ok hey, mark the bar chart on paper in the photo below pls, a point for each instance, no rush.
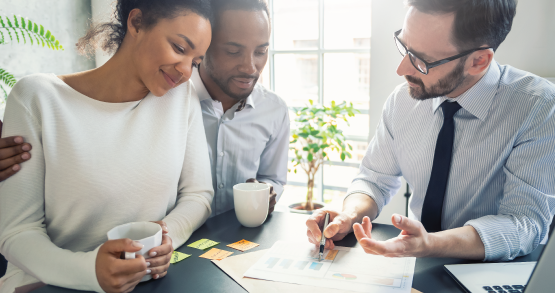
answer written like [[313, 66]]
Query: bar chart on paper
[[341, 268]]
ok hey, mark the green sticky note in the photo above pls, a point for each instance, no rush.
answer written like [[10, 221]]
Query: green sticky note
[[203, 244], [178, 256]]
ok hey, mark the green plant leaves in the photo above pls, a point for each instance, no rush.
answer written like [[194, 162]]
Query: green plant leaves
[[20, 28], [8, 79], [316, 134]]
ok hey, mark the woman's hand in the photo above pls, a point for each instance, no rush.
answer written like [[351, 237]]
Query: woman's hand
[[119, 275], [160, 256]]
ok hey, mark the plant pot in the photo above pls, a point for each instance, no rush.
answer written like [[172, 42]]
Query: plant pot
[[297, 208]]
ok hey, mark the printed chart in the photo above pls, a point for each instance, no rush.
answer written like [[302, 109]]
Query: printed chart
[[342, 268]]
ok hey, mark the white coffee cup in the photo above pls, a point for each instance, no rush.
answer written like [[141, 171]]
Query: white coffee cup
[[251, 202], [147, 233]]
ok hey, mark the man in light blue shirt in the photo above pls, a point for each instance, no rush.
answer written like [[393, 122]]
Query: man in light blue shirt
[[475, 141], [246, 125]]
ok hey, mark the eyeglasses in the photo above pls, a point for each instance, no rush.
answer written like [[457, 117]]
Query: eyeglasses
[[423, 66]]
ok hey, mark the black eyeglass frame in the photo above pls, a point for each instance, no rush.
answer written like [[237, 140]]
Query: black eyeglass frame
[[435, 63]]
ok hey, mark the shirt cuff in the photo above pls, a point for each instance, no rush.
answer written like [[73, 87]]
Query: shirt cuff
[[499, 236], [365, 187]]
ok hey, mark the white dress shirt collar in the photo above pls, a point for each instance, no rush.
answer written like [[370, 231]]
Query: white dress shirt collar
[[478, 99]]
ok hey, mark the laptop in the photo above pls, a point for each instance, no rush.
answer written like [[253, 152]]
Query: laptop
[[508, 277]]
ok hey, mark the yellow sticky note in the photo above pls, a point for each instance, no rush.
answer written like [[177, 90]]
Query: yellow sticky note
[[178, 256], [331, 254], [203, 244], [243, 245], [216, 254]]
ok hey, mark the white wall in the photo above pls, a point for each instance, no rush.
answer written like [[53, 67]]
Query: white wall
[[529, 46], [66, 19], [101, 12]]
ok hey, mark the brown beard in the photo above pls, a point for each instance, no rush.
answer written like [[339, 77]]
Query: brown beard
[[443, 87]]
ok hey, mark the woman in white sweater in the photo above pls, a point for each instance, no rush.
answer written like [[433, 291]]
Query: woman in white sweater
[[117, 144]]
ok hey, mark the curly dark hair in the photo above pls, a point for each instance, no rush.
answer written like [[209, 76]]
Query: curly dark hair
[[108, 36], [477, 22]]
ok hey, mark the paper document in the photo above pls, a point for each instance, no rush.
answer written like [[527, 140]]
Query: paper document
[[342, 268]]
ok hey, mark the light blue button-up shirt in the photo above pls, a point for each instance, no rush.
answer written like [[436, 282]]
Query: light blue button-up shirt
[[251, 143], [502, 178]]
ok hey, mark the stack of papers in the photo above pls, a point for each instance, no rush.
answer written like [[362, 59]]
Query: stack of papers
[[342, 268]]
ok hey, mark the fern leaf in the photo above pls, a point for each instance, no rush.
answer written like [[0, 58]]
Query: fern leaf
[[1, 37], [30, 38], [9, 34], [16, 35], [5, 93], [22, 26], [7, 78]]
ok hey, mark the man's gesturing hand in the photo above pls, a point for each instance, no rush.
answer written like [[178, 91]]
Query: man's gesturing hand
[[273, 195], [119, 275], [340, 225], [412, 241], [12, 153]]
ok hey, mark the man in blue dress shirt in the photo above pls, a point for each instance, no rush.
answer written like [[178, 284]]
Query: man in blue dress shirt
[[475, 140], [246, 125]]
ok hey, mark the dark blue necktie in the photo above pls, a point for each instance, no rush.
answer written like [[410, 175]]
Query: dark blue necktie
[[433, 202]]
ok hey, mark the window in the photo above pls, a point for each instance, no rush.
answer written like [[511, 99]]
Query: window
[[320, 51]]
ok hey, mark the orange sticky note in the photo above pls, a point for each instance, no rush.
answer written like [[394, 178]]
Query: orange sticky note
[[243, 245], [216, 254], [331, 254]]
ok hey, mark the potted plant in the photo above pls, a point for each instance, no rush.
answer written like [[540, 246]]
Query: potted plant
[[314, 137], [18, 29]]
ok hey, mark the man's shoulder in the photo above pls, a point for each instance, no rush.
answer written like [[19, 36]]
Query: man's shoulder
[[270, 97], [523, 82]]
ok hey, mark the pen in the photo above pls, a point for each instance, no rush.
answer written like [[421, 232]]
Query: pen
[[323, 240]]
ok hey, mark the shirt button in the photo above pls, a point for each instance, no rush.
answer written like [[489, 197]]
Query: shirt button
[[221, 185], [221, 154]]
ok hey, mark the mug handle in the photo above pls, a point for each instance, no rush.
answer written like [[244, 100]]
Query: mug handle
[[130, 255]]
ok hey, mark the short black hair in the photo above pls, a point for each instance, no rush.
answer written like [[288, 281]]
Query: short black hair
[[220, 6], [477, 22]]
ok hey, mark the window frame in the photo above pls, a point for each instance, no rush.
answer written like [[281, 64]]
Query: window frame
[[320, 51]]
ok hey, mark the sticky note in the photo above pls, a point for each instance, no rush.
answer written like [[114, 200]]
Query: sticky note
[[331, 254], [178, 256], [216, 254], [243, 245], [203, 244]]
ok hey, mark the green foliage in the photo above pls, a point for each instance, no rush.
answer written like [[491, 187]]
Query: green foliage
[[19, 30], [8, 79], [316, 135]]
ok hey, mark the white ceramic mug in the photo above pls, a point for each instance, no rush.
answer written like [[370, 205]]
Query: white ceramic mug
[[251, 202], [147, 233]]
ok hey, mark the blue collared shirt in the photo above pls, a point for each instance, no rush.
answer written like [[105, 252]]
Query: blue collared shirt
[[251, 143], [502, 178]]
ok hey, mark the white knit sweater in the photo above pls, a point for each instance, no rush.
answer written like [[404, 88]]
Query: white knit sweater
[[96, 165]]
